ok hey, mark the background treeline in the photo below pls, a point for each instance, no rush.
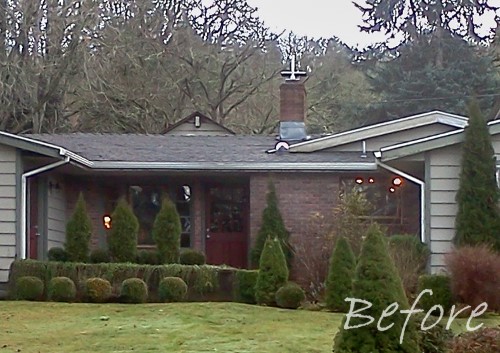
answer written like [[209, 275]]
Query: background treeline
[[138, 66]]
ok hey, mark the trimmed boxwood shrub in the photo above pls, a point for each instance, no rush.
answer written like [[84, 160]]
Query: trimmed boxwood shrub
[[166, 232], [340, 275], [290, 296], [134, 290], [122, 239], [192, 257], [172, 289], [440, 286], [244, 286], [57, 254], [147, 257], [98, 256], [61, 289], [29, 288], [97, 290], [273, 272], [78, 233]]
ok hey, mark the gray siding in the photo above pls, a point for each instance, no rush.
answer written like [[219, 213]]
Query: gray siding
[[8, 204], [444, 172], [56, 213], [206, 128], [375, 143]]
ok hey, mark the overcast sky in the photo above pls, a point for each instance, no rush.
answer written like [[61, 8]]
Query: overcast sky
[[315, 18]]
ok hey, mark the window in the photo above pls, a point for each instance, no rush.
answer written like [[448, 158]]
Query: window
[[146, 203]]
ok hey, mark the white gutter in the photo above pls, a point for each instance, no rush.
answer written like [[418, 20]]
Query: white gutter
[[421, 183], [24, 178]]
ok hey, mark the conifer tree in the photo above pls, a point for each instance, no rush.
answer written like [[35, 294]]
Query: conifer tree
[[273, 272], [166, 232], [376, 281], [478, 219], [272, 226], [122, 240], [340, 275], [78, 233]]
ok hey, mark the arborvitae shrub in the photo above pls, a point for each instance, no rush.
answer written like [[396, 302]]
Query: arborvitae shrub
[[290, 296], [134, 290], [147, 257], [97, 290], [57, 254], [166, 232], [273, 272], [475, 275], [98, 256], [483, 340], [61, 289], [192, 257], [78, 233], [340, 275], [29, 288], [244, 286], [478, 217], [376, 281], [122, 239], [272, 226], [172, 289], [441, 292]]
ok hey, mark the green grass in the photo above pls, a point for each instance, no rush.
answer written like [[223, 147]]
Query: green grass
[[179, 327]]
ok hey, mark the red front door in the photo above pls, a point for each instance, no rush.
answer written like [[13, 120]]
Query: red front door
[[226, 226], [33, 219]]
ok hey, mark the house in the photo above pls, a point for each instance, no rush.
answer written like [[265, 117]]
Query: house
[[218, 180]]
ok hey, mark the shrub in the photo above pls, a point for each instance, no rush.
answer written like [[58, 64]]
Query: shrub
[[29, 288], [97, 290], [167, 232], [410, 257], [290, 296], [172, 289], [61, 289], [122, 240], [192, 257], [57, 254], [244, 286], [147, 257], [339, 281], [440, 286], [475, 275], [272, 226], [78, 233], [273, 272], [98, 256], [134, 290], [484, 340], [376, 280], [435, 339]]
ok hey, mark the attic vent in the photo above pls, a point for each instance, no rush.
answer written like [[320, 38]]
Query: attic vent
[[292, 131], [197, 122]]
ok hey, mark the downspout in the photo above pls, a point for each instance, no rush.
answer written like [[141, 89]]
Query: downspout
[[421, 183], [24, 196]]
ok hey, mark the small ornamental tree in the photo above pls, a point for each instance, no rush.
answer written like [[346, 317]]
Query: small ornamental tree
[[340, 275], [122, 240], [376, 281], [167, 232], [273, 272], [478, 219], [78, 233], [272, 226]]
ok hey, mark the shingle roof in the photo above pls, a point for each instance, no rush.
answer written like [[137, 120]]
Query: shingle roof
[[250, 149]]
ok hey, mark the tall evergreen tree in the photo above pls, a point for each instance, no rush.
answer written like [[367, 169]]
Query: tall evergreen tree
[[340, 275], [272, 226], [478, 219], [78, 232], [376, 280], [167, 232], [122, 239]]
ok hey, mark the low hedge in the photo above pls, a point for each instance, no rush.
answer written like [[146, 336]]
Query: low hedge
[[205, 283], [244, 286]]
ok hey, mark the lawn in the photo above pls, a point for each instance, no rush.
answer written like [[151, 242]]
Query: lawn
[[29, 327]]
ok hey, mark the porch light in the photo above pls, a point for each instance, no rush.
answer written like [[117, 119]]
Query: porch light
[[106, 220], [397, 181], [392, 189], [371, 180], [358, 180]]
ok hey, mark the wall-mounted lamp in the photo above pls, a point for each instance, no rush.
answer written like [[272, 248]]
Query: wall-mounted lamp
[[371, 180], [397, 181], [392, 189], [106, 221], [358, 180]]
